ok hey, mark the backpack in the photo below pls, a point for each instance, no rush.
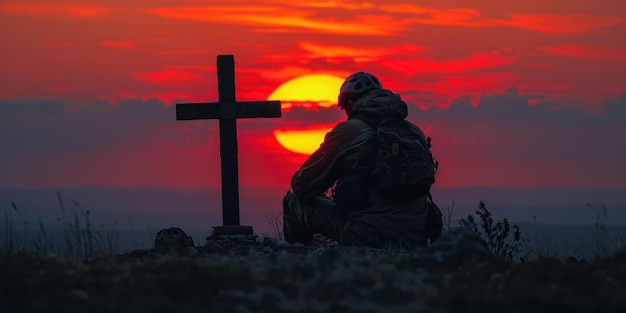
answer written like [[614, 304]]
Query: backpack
[[404, 167]]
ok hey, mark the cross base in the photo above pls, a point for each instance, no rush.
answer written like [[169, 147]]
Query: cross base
[[225, 238], [228, 230]]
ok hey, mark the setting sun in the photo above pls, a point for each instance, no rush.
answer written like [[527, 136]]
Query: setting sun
[[309, 91], [304, 141]]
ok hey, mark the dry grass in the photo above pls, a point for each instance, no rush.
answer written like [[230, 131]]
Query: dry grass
[[76, 241]]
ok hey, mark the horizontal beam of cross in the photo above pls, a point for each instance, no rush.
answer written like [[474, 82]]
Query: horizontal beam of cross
[[199, 111]]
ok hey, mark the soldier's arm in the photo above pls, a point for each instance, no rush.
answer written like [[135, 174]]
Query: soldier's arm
[[323, 167]]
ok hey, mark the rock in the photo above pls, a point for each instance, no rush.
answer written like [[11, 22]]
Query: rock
[[80, 294], [172, 240], [192, 251], [270, 242]]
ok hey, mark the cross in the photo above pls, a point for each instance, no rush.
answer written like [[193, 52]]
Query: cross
[[228, 110]]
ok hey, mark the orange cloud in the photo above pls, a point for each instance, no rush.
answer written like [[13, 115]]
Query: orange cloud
[[359, 53], [57, 10], [280, 74], [435, 16], [587, 52], [200, 68], [183, 52], [474, 62], [459, 77], [168, 78], [329, 4], [168, 97], [566, 24], [281, 19], [442, 92], [333, 54], [562, 24], [124, 44]]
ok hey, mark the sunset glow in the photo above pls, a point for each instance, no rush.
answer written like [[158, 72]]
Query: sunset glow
[[504, 88]]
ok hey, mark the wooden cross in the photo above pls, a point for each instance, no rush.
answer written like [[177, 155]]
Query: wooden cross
[[228, 110]]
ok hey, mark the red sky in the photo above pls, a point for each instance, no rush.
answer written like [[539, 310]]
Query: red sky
[[513, 93]]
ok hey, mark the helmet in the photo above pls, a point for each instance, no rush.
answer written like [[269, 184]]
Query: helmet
[[356, 85]]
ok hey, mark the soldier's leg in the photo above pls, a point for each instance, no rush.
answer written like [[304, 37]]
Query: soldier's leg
[[294, 224], [321, 216], [327, 219]]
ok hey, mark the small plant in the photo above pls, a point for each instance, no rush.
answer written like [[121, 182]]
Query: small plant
[[447, 218], [543, 249], [603, 243], [9, 235], [13, 240], [495, 234], [276, 223]]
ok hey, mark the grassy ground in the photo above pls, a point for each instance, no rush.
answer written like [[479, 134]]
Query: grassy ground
[[330, 279], [79, 271]]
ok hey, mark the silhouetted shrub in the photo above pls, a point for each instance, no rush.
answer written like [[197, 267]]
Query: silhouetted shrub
[[495, 234]]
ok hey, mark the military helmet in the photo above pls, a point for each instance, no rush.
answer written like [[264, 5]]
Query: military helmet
[[356, 85]]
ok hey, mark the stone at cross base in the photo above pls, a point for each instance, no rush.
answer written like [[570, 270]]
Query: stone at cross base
[[224, 237], [173, 240], [228, 110]]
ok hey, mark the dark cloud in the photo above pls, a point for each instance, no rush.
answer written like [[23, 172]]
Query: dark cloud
[[16, 108], [615, 110], [46, 126], [134, 111], [506, 126], [38, 127], [509, 106], [502, 128]]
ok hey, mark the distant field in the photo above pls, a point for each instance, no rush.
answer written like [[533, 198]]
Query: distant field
[[558, 241], [565, 224], [572, 240]]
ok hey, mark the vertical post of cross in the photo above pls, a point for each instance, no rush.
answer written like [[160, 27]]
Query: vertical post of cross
[[228, 139]]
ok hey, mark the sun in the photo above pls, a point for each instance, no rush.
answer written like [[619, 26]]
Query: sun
[[308, 91], [303, 141]]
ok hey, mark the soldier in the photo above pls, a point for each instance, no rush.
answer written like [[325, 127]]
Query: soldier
[[378, 168]]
